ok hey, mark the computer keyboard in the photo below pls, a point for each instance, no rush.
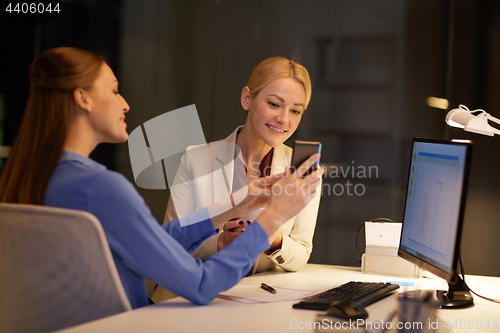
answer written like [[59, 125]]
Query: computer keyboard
[[363, 293]]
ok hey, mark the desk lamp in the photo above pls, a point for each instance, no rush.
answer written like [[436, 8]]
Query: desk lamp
[[462, 117]]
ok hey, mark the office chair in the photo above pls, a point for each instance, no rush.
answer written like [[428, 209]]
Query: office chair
[[56, 269]]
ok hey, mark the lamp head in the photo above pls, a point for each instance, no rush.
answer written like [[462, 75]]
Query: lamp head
[[462, 117]]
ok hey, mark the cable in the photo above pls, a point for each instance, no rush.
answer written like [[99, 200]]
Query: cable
[[462, 272], [357, 239], [378, 219]]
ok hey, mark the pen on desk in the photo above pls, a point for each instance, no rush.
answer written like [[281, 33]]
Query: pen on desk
[[268, 288]]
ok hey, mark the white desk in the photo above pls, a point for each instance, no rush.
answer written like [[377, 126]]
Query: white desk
[[178, 315]]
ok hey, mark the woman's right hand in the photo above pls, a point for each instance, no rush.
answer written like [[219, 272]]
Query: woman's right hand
[[290, 194]]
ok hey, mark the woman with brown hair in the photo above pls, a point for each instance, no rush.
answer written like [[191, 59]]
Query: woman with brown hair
[[275, 98], [74, 105], [46, 121]]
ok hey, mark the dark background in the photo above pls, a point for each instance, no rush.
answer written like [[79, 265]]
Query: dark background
[[373, 64]]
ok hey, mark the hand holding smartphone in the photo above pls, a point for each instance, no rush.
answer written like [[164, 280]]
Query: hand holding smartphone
[[302, 150]]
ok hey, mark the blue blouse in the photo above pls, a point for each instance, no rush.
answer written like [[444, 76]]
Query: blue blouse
[[140, 246]]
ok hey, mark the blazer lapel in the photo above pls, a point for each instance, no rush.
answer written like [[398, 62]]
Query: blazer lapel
[[280, 161], [222, 154]]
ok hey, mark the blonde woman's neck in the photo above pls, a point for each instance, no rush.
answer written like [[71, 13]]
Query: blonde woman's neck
[[253, 148]]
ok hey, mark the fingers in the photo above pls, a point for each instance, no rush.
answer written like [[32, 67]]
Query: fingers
[[231, 230], [260, 187], [273, 178], [303, 188], [311, 181], [315, 175], [312, 188], [232, 224], [304, 167], [236, 226], [268, 181], [230, 235]]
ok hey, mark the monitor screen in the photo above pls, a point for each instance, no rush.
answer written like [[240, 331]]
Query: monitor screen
[[435, 202]]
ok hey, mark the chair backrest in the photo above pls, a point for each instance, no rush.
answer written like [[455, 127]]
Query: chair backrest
[[56, 269]]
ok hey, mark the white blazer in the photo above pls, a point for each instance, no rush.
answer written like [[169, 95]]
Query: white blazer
[[200, 182]]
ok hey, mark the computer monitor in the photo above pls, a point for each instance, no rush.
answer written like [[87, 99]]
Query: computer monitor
[[434, 211]]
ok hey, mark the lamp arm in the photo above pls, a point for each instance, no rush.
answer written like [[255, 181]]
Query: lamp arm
[[493, 119]]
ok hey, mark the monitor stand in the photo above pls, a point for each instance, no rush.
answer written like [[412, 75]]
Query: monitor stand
[[458, 295]]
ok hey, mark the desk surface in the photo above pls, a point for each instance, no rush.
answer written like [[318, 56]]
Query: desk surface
[[179, 315]]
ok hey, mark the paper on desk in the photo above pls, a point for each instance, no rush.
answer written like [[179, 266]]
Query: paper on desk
[[382, 234], [251, 294]]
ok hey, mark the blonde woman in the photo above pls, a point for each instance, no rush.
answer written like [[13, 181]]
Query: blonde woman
[[275, 98]]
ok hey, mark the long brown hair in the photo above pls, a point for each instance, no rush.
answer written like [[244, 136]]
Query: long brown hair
[[54, 76], [275, 68]]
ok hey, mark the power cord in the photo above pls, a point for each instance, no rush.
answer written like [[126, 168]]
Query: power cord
[[378, 219], [462, 272]]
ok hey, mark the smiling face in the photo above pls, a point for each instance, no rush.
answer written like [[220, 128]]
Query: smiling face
[[275, 113], [107, 108]]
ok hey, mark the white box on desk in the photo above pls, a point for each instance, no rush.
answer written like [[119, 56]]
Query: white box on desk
[[381, 253], [389, 265]]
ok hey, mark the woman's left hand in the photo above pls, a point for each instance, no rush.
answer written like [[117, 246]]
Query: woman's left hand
[[230, 231]]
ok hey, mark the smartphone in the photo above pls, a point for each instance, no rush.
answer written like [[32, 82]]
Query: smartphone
[[302, 150]]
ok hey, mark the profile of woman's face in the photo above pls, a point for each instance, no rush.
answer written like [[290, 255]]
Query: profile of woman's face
[[275, 113], [107, 108]]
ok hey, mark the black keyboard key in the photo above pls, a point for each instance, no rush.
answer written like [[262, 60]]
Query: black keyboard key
[[363, 293]]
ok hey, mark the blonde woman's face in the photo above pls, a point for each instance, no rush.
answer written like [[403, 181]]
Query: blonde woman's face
[[275, 113], [108, 108]]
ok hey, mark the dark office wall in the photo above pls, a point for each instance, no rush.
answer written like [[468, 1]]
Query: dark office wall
[[475, 82], [92, 25]]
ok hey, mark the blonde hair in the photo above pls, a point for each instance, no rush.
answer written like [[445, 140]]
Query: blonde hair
[[276, 68], [54, 76]]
